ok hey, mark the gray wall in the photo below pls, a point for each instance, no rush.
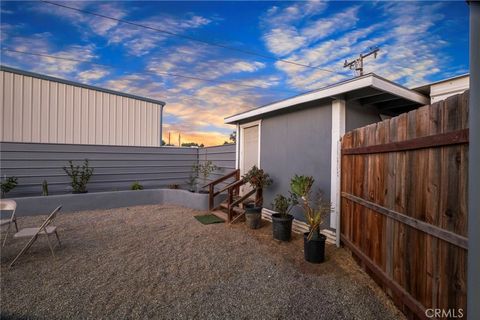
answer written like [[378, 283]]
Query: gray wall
[[116, 167], [357, 115], [223, 157], [297, 143]]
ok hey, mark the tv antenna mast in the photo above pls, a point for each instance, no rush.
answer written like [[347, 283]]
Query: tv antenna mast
[[357, 64]]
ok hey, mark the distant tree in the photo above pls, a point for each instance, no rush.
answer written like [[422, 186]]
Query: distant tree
[[192, 144], [166, 144], [233, 137]]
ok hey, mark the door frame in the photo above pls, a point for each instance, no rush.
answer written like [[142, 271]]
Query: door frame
[[242, 127]]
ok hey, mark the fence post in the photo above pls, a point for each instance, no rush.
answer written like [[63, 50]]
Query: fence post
[[473, 172]]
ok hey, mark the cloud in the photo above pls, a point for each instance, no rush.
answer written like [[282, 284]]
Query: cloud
[[406, 35], [92, 74]]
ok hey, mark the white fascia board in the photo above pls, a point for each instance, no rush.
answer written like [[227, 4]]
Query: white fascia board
[[399, 91], [312, 96]]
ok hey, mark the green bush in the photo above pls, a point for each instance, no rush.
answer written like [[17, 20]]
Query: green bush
[[136, 186], [8, 184], [79, 175]]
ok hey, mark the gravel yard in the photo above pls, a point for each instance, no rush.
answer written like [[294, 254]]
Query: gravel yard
[[159, 262]]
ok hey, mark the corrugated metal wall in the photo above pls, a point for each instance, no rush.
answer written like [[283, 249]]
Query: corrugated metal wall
[[116, 167], [39, 110], [221, 156]]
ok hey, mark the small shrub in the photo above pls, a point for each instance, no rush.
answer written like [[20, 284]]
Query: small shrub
[[257, 178], [8, 184], [204, 170], [79, 175], [173, 186], [45, 188], [284, 205], [136, 186]]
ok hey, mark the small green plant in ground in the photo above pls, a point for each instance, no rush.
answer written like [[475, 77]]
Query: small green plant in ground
[[173, 186], [314, 208], [45, 188], [136, 186], [284, 205], [204, 170], [8, 184], [79, 175]]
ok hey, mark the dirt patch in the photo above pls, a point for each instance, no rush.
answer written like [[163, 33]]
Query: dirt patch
[[159, 262]]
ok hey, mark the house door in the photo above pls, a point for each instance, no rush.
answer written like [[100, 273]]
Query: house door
[[250, 150]]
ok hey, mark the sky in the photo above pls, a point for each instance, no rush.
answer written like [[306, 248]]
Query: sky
[[201, 83]]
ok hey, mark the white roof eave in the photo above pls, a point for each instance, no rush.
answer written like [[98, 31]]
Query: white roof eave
[[332, 91]]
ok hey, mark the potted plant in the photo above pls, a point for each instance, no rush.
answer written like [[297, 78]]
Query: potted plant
[[282, 220], [258, 180], [315, 209], [204, 170], [79, 176], [8, 184]]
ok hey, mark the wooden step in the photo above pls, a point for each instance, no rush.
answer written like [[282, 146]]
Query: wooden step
[[237, 210], [220, 214]]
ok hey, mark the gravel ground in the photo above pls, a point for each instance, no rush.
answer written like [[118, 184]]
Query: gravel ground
[[159, 262]]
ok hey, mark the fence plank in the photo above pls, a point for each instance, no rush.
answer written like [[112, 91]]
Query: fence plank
[[404, 196]]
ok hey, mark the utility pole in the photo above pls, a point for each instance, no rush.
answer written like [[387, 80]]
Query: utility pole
[[357, 64], [169, 138], [179, 140]]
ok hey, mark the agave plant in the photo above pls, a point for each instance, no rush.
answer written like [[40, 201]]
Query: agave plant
[[314, 209]]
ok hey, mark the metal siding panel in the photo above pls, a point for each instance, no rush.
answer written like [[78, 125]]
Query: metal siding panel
[[45, 110], [136, 126], [53, 112], [118, 121], [8, 108], [77, 115], [69, 114], [92, 130], [156, 127], [131, 122], [98, 120], [27, 110], [125, 116], [36, 110], [143, 123], [84, 120], [61, 135], [107, 116], [17, 108], [149, 123]]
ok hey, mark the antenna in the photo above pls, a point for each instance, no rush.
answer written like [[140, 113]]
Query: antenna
[[357, 64]]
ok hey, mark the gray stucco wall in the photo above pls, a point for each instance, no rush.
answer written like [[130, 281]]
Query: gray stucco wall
[[357, 115], [297, 143], [116, 167]]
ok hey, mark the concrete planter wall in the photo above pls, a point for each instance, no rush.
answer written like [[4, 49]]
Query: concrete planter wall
[[28, 206]]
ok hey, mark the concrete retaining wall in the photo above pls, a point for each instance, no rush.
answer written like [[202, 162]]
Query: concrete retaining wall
[[28, 206]]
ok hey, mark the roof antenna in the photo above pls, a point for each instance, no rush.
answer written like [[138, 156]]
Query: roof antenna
[[357, 64]]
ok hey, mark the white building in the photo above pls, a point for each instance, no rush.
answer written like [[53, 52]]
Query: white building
[[39, 108], [442, 89]]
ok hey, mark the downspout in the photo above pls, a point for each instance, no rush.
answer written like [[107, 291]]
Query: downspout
[[161, 124], [473, 281]]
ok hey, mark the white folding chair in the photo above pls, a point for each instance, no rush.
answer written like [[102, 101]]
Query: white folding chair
[[33, 233], [8, 205]]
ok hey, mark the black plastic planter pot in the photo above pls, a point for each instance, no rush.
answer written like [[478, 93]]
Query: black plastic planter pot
[[253, 216], [314, 249], [282, 227]]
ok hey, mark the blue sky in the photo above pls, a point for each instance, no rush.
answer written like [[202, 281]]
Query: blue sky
[[419, 42]]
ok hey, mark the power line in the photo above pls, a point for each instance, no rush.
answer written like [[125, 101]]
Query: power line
[[170, 33], [156, 73]]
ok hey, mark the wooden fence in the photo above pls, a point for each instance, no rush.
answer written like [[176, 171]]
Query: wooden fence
[[404, 205]]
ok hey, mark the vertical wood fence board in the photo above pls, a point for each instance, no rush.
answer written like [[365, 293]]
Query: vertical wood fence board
[[428, 184]]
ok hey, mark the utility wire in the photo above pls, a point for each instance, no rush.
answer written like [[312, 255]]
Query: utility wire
[[188, 37], [157, 73]]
